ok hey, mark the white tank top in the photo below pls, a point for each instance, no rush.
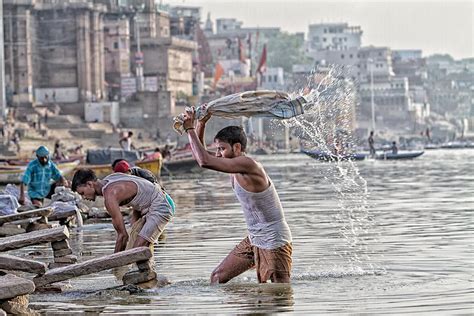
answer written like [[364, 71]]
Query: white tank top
[[149, 195], [264, 216]]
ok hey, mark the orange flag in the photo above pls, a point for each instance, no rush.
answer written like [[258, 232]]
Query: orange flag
[[218, 74], [262, 65]]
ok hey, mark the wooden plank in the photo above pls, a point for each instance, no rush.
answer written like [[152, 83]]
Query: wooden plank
[[13, 263], [94, 265], [61, 215], [34, 238], [28, 214], [12, 286]]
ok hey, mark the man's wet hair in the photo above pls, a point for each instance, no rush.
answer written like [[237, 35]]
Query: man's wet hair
[[81, 177], [116, 161], [233, 135]]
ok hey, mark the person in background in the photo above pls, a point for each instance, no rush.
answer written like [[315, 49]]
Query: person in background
[[41, 177], [128, 141], [394, 148], [121, 165], [166, 153], [154, 156], [16, 141], [78, 149], [58, 153], [371, 144]]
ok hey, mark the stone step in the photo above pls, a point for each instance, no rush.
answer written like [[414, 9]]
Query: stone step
[[94, 265], [34, 238], [13, 263], [65, 125], [12, 286], [41, 212], [87, 133]]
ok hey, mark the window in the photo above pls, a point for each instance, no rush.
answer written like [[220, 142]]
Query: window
[[350, 56], [324, 39], [275, 78], [342, 56], [115, 45]]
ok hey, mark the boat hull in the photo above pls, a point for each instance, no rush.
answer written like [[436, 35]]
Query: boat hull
[[102, 171], [13, 174], [323, 156]]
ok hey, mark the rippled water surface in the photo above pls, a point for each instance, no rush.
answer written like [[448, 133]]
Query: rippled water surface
[[400, 244]]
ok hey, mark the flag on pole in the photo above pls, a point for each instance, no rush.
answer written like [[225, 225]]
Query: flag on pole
[[262, 65], [218, 74]]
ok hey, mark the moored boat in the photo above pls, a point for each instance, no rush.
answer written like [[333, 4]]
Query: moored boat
[[13, 174], [324, 156], [103, 170]]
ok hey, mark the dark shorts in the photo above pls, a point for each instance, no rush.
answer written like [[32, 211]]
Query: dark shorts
[[269, 263], [50, 193]]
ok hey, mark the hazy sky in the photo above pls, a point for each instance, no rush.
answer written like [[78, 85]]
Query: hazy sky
[[444, 26]]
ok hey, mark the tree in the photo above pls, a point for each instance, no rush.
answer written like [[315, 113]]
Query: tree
[[284, 50]]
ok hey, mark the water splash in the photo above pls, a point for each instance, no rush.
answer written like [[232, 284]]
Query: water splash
[[327, 126]]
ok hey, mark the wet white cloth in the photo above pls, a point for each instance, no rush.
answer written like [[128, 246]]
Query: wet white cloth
[[64, 200], [13, 190], [8, 204], [263, 103], [65, 195]]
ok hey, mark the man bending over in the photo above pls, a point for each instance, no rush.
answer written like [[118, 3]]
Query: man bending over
[[118, 189]]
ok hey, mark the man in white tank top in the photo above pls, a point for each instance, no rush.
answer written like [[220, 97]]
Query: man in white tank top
[[118, 189], [268, 245]]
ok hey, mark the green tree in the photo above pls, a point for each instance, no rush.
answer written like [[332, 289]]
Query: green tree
[[284, 50]]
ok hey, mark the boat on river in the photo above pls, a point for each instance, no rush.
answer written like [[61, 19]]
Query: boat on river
[[13, 173], [324, 156], [103, 170]]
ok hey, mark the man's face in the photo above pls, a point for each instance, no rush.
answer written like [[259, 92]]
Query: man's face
[[43, 160], [224, 149], [87, 191]]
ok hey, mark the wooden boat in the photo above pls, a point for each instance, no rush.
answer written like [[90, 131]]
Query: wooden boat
[[104, 170], [400, 155], [176, 166], [324, 156], [13, 174]]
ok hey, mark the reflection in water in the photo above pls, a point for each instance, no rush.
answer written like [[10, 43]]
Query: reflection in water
[[262, 298]]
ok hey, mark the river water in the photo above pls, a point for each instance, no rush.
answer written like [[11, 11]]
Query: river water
[[379, 237]]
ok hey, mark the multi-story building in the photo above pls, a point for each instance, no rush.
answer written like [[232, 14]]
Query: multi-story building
[[376, 62], [117, 52], [391, 102], [54, 51], [333, 36], [273, 79]]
